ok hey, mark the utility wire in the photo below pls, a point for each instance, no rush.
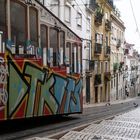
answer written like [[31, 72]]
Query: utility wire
[[134, 18]]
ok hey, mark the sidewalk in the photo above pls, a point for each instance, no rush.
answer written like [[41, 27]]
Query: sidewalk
[[107, 103]]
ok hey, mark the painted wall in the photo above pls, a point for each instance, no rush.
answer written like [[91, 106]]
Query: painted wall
[[27, 89]]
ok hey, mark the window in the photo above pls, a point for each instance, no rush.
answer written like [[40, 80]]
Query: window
[[74, 57], [68, 53], [55, 7], [18, 24], [106, 15], [79, 19], [79, 59], [44, 43], [34, 26], [53, 36], [102, 67], [99, 38], [88, 24], [62, 47], [3, 19], [67, 14], [106, 67]]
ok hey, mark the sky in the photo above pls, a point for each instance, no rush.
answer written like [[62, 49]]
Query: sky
[[131, 33]]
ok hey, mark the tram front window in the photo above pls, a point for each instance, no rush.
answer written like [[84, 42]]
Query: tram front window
[[18, 24]]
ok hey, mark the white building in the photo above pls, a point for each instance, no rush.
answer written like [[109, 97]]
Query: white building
[[76, 14], [132, 74]]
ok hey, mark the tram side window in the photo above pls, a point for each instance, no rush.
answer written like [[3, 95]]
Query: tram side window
[[79, 59], [34, 26], [2, 24], [62, 47], [74, 58], [53, 50], [68, 54], [44, 43], [18, 24]]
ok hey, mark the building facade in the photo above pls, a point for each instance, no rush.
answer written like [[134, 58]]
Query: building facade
[[132, 73], [117, 57], [101, 22]]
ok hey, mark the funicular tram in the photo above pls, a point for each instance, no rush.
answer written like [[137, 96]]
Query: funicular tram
[[40, 62]]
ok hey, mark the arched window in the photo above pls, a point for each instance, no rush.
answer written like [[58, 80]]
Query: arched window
[[33, 26], [44, 43], [3, 19], [18, 24], [53, 36]]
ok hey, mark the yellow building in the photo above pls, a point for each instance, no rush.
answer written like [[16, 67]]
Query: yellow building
[[101, 31]]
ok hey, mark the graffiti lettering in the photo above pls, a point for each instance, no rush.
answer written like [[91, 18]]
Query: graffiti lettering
[[34, 91]]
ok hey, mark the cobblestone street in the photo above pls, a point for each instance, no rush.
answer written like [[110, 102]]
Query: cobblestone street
[[122, 127]]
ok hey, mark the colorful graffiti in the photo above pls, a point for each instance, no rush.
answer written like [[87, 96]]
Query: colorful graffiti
[[3, 83], [29, 90]]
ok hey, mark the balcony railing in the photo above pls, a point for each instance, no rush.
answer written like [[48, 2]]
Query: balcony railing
[[115, 67], [121, 66], [107, 76], [108, 25], [98, 79], [107, 50], [99, 16], [98, 48]]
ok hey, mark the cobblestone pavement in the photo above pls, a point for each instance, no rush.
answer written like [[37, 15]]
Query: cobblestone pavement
[[122, 127]]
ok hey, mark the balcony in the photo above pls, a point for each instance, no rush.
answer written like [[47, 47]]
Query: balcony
[[118, 43], [107, 76], [107, 50], [98, 79], [121, 66], [98, 48], [108, 25], [115, 67], [98, 17]]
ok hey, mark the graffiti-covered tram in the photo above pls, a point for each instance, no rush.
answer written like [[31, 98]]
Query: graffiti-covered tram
[[40, 62]]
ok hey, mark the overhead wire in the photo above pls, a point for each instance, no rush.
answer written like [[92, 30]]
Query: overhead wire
[[137, 28]]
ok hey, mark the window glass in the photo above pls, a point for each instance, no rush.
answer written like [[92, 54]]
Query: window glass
[[53, 47], [79, 58], [18, 24], [74, 57], [3, 19], [34, 26], [62, 47], [68, 53], [79, 19], [44, 43], [67, 13]]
